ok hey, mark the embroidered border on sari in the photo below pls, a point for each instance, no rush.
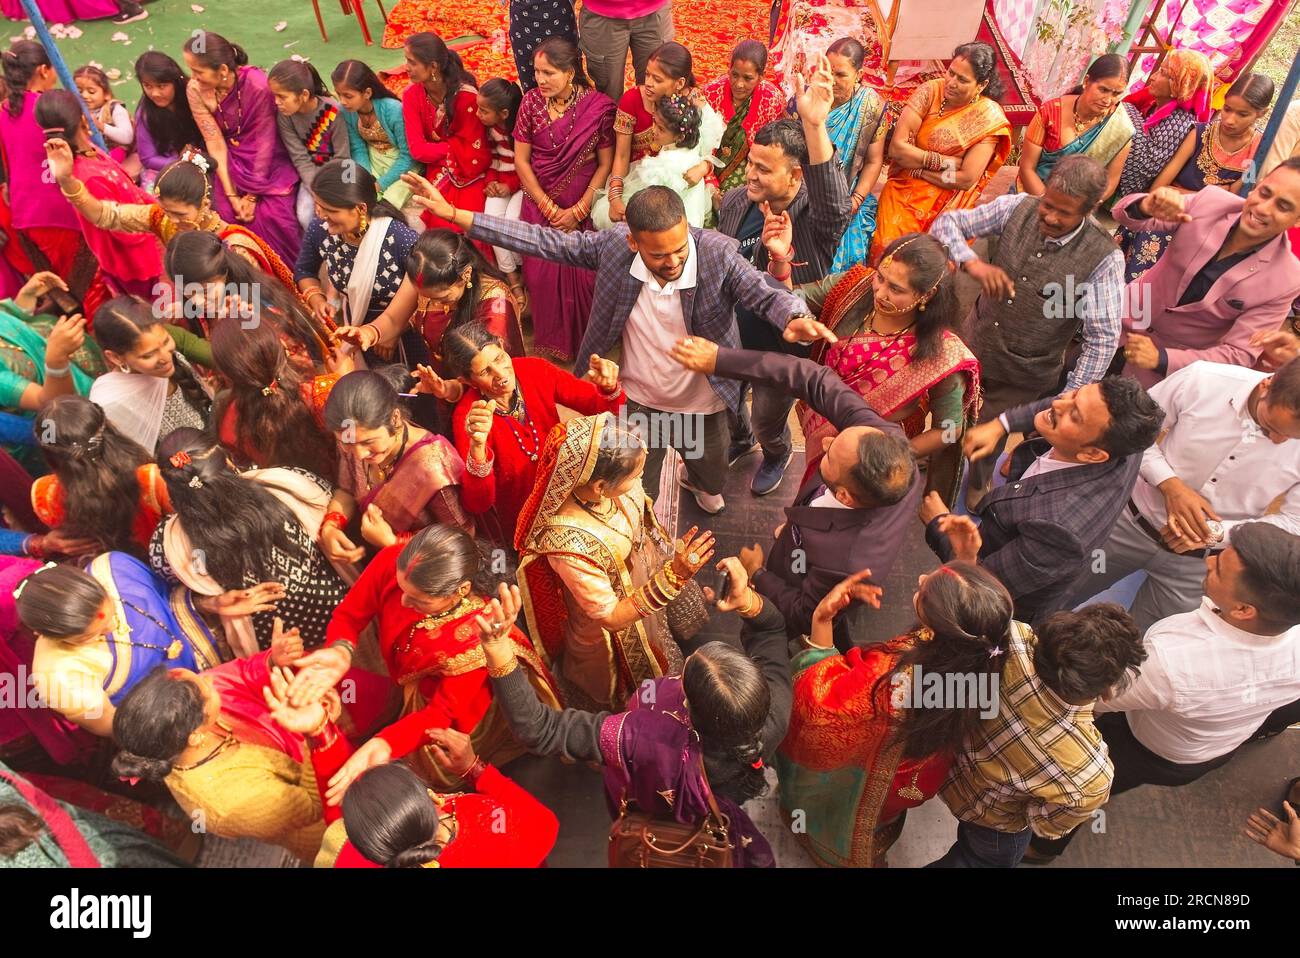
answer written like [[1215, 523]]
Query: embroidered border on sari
[[102, 570], [208, 650]]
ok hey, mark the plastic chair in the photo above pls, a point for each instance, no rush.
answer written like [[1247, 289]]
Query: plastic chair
[[350, 6]]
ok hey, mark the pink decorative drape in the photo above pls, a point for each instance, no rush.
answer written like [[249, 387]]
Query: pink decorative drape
[[1229, 32]]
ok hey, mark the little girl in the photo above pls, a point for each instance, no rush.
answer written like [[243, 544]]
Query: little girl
[[686, 134], [164, 125], [111, 116], [498, 105], [311, 126], [376, 130]]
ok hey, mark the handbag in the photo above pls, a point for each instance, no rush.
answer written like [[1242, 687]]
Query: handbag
[[638, 839]]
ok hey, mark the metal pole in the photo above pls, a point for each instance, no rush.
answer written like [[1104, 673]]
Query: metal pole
[[65, 75], [1131, 26], [1283, 100]]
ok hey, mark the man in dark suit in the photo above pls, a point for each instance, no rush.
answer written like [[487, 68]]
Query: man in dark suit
[[856, 504], [1069, 480], [657, 279]]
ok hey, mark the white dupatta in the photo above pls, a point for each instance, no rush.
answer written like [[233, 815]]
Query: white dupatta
[[361, 283], [133, 403]]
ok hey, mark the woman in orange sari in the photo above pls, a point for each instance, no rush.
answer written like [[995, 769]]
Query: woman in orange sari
[[950, 140], [866, 742]]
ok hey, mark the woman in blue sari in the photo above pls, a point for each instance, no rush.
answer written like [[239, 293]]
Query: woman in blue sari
[[1084, 122], [101, 631], [857, 130]]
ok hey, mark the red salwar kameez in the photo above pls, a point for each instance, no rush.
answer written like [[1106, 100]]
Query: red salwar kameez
[[457, 153]]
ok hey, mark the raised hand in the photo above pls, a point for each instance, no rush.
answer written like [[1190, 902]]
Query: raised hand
[[425, 194], [286, 646], [964, 535], [303, 718], [478, 421], [375, 528], [431, 384], [603, 373], [58, 154], [981, 440], [857, 586], [815, 96], [697, 354], [65, 339], [1166, 203], [37, 286], [778, 232], [362, 337], [1279, 347], [693, 552], [993, 280]]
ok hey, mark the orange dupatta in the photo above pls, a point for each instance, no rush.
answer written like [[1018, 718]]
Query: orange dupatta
[[909, 204]]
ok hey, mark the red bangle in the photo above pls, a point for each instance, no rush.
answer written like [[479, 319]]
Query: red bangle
[[472, 773], [334, 519]]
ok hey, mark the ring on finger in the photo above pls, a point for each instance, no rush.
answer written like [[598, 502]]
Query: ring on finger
[[693, 558]]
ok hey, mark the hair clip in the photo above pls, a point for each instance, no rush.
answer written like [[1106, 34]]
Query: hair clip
[[18, 592], [758, 764], [994, 652], [267, 390], [196, 482], [131, 780], [181, 458]]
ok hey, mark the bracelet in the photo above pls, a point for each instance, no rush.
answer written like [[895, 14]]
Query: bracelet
[[781, 277], [346, 644], [334, 519], [472, 773], [56, 371], [501, 671], [326, 736], [646, 602], [665, 588], [612, 391], [314, 292], [319, 730], [81, 188], [749, 606], [33, 546], [614, 179], [480, 470], [674, 579]]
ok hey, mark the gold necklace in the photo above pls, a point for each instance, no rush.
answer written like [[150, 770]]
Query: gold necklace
[[224, 744]]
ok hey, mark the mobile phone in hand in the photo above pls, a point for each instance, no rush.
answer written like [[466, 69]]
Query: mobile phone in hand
[[724, 586]]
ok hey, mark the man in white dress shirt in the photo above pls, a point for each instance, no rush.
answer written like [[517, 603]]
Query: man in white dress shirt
[[1230, 449], [1212, 676]]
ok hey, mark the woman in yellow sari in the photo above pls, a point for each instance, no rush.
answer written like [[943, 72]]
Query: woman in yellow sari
[[950, 140], [596, 571]]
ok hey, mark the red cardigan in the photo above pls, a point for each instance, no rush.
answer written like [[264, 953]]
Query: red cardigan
[[499, 825], [507, 486], [463, 150]]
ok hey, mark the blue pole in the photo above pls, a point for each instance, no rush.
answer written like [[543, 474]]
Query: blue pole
[[1252, 174], [65, 75]]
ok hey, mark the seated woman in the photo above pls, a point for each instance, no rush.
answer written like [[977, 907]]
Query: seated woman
[[376, 130], [98, 633], [1175, 97], [506, 406], [454, 286], [104, 487], [206, 280], [424, 597], [153, 390], [1087, 121], [860, 750], [857, 126], [390, 818], [164, 125], [684, 743], [747, 103], [950, 140], [1212, 154], [362, 242], [253, 533], [184, 205], [130, 264], [596, 569], [229, 763], [896, 347], [394, 478], [685, 134], [41, 357], [268, 415]]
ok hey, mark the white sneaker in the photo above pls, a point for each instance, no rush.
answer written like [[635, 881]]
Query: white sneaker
[[708, 503]]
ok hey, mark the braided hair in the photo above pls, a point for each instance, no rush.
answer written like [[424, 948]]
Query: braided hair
[[96, 467], [680, 115], [728, 702], [118, 325], [20, 63]]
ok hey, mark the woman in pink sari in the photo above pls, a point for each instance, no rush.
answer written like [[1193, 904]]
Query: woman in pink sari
[[235, 111], [564, 150], [130, 264]]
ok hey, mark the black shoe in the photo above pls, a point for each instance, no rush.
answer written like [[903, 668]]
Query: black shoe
[[769, 475], [738, 451], [131, 14]]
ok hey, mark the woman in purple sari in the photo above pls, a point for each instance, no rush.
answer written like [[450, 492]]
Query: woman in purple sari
[[682, 739], [235, 112], [564, 150]]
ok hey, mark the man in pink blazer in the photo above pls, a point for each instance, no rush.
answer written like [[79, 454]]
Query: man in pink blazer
[[1228, 274]]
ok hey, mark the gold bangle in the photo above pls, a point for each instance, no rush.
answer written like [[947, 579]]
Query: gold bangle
[[501, 671], [316, 291], [81, 188], [667, 591], [635, 599], [749, 606], [671, 573]]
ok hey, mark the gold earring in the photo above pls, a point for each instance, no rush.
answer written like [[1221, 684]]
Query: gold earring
[[365, 221]]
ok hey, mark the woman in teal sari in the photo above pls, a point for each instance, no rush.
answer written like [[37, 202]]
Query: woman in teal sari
[[1083, 122], [41, 358], [857, 130]]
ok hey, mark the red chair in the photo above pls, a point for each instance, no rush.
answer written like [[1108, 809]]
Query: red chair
[[350, 6]]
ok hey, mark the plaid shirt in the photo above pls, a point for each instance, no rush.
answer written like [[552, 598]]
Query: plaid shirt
[[1040, 764], [1101, 311]]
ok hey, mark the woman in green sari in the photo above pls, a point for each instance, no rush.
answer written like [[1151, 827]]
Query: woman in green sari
[[747, 103], [1085, 121]]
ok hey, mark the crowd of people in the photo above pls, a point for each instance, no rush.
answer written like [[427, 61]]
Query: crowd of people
[[325, 496]]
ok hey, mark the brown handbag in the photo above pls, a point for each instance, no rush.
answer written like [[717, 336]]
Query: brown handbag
[[638, 839]]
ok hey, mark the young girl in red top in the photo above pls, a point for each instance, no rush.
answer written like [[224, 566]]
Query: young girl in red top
[[498, 105], [443, 129], [504, 414]]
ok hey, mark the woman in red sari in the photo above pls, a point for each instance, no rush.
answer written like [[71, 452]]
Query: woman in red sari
[[747, 103], [508, 405], [390, 819], [424, 597], [130, 264], [443, 131], [866, 741]]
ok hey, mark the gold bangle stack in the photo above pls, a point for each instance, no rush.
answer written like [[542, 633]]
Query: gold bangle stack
[[501, 671], [664, 586], [81, 188]]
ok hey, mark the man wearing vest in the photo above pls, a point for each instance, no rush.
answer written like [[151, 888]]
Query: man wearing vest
[[1051, 272]]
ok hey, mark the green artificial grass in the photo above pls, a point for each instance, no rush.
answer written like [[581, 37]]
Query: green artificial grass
[[250, 23]]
